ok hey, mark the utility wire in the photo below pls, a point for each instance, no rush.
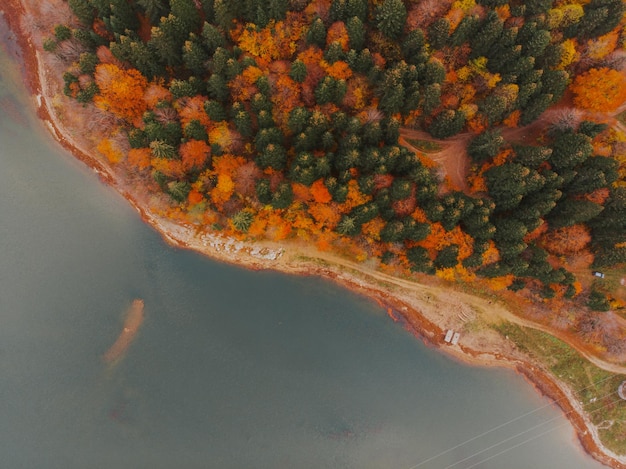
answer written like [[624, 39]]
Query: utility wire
[[497, 427]]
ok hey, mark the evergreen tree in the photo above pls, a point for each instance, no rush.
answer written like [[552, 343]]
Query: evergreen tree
[[465, 30], [536, 106], [298, 71], [447, 123], [154, 9], [264, 191], [243, 123], [487, 34], [485, 146], [392, 232], [434, 72], [507, 184], [277, 9], [317, 33], [196, 131], [212, 38], [178, 190], [431, 97], [413, 45], [215, 110], [356, 33], [390, 18], [195, 57], [439, 33], [242, 220], [273, 156], [569, 149], [187, 13], [283, 196], [83, 10], [571, 211], [447, 257], [167, 40], [420, 260], [532, 156]]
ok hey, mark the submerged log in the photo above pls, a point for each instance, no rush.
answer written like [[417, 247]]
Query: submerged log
[[132, 323]]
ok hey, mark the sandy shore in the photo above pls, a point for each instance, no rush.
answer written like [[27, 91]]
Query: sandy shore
[[427, 311]]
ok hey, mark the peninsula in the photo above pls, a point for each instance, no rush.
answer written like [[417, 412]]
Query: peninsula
[[461, 162]]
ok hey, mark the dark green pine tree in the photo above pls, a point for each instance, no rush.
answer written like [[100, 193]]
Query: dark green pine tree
[[571, 211], [212, 38], [154, 9], [485, 146], [569, 149], [298, 71], [447, 257], [283, 196], [465, 30], [439, 33], [167, 40], [487, 34], [83, 10], [391, 17], [195, 56], [123, 17], [447, 123], [277, 9], [187, 13], [317, 33], [356, 33], [243, 123]]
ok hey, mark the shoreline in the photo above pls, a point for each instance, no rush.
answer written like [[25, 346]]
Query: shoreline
[[415, 310]]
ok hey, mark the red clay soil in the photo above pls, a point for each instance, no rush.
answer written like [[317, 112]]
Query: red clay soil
[[452, 157]]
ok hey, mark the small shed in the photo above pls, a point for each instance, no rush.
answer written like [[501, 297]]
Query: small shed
[[621, 391]]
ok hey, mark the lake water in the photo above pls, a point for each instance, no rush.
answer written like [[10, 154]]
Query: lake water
[[231, 368]]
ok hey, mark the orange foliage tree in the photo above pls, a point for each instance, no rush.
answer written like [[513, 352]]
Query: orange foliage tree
[[599, 90], [107, 148], [193, 109], [139, 158], [121, 91], [326, 215], [320, 192], [567, 240], [337, 32], [194, 154]]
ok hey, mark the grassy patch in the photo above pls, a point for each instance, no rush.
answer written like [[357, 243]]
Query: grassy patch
[[425, 145], [622, 117], [594, 387]]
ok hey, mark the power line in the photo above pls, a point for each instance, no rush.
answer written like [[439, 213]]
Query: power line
[[534, 427], [533, 437], [497, 427]]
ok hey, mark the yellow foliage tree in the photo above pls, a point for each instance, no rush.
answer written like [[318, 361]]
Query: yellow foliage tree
[[107, 148]]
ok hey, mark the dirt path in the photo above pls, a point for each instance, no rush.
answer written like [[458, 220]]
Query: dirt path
[[452, 157], [491, 313]]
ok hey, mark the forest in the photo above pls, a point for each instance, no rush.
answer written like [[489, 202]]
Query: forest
[[278, 119]]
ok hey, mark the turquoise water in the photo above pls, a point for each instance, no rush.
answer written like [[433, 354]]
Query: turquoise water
[[231, 368]]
